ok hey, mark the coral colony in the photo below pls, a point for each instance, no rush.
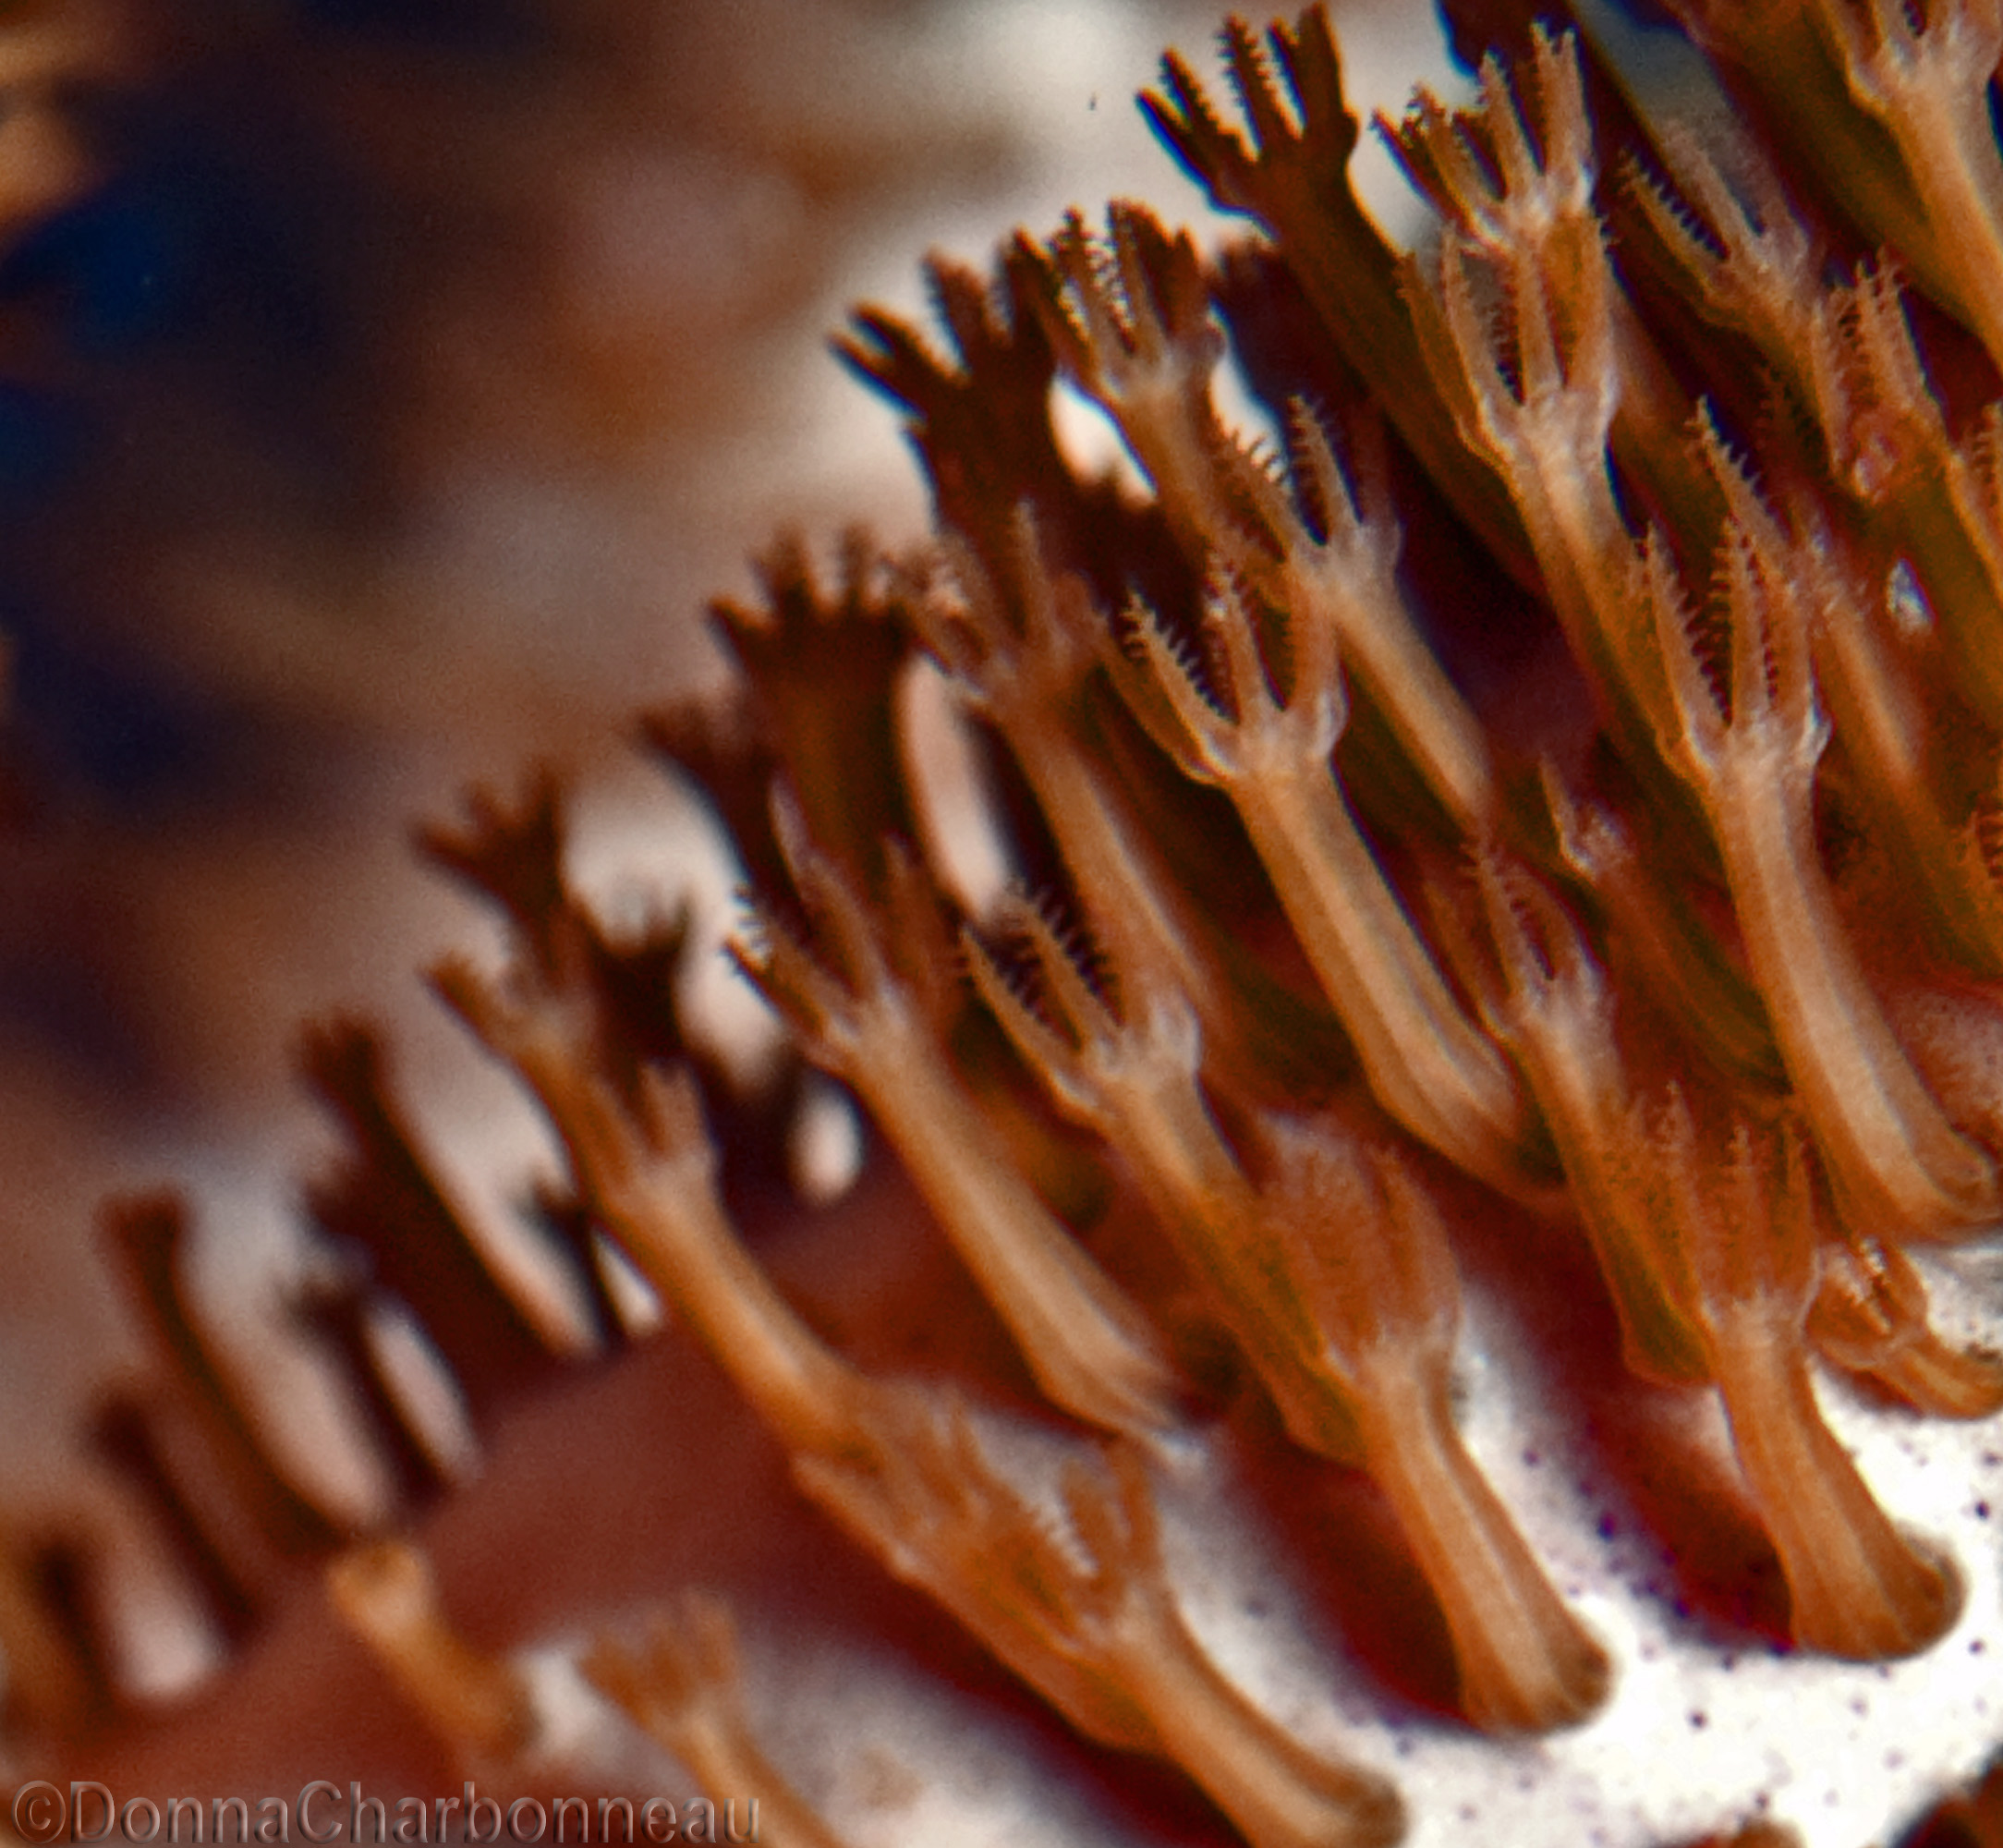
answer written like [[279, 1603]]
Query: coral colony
[[1554, 787]]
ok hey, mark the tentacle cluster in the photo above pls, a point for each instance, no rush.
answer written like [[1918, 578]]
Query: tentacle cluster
[[1332, 932]]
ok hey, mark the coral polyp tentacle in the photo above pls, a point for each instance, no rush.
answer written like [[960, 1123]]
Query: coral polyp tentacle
[[1634, 600]]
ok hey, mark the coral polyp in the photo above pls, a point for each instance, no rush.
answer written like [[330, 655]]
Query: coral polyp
[[1501, 799]]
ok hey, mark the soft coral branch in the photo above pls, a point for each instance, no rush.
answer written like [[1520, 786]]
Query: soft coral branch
[[1551, 1002], [1018, 645], [1537, 392], [1132, 327], [1089, 1345], [1741, 1237], [683, 1686], [1084, 1609], [1293, 179], [387, 1595], [1896, 1160], [900, 1466], [1332, 1271], [1928, 83], [1428, 1062], [1363, 1242]]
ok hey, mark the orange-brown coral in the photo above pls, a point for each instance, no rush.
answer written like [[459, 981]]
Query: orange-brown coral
[[1323, 999]]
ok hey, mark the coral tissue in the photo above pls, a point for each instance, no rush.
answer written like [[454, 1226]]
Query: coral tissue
[[1544, 778]]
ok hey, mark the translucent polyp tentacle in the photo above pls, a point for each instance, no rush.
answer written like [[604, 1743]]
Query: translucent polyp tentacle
[[1538, 395], [1765, 274], [1343, 587], [1857, 1587], [1929, 85], [900, 1464], [1895, 1159], [1870, 1316], [1016, 653], [1364, 1243], [1876, 701], [1930, 497], [1083, 1608], [1742, 1232], [1145, 349], [1428, 1062], [1279, 1795], [1553, 1006], [683, 1686], [1131, 324], [1332, 1271], [1677, 954], [1270, 1785], [1525, 1664], [386, 1594], [650, 1172], [1134, 1079], [1087, 1344], [1294, 180], [1933, 1375]]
